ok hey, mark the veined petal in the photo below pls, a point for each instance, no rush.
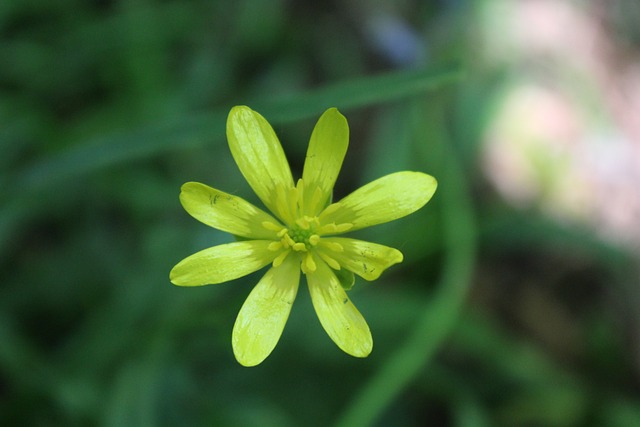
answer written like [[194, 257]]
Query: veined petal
[[339, 317], [225, 212], [385, 199], [263, 315], [222, 263], [259, 155], [367, 260], [327, 147]]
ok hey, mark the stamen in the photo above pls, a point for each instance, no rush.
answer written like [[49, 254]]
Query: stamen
[[274, 246], [280, 258], [303, 223], [310, 263], [332, 228], [327, 229], [334, 246], [288, 240], [271, 226], [341, 228], [311, 219], [332, 262], [300, 247]]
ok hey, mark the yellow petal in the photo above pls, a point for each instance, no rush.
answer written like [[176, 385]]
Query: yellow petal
[[383, 200], [222, 263], [258, 153], [339, 317], [327, 147], [263, 315], [225, 212], [367, 260]]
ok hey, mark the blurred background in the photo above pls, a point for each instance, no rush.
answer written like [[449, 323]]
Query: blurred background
[[518, 300]]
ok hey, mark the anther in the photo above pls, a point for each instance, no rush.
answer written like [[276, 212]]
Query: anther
[[303, 223], [280, 258], [274, 246], [311, 219], [332, 228], [271, 226], [341, 228], [282, 232], [310, 263], [327, 229], [300, 247], [334, 246], [332, 262], [288, 240]]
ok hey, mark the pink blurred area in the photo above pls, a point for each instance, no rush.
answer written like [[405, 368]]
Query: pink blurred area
[[565, 137]]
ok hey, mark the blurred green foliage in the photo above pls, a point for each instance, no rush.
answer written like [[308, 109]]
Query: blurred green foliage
[[496, 317]]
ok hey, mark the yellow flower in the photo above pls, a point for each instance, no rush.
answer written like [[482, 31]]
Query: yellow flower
[[302, 234]]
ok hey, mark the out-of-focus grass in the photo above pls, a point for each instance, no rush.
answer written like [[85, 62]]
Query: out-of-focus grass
[[106, 108]]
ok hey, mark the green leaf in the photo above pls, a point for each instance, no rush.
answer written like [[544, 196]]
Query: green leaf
[[199, 130]]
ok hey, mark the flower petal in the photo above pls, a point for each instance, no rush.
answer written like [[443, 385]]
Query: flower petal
[[367, 260], [222, 263], [259, 155], [263, 315], [327, 147], [385, 199], [225, 212], [339, 317]]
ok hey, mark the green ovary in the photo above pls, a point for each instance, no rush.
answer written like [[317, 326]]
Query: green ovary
[[301, 236]]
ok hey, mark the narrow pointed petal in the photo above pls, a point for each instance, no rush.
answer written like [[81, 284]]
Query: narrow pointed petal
[[367, 260], [259, 155], [327, 148], [339, 317], [225, 212], [265, 312], [222, 263], [385, 199]]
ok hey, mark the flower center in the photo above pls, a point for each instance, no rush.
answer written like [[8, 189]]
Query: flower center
[[299, 235], [304, 231], [302, 236]]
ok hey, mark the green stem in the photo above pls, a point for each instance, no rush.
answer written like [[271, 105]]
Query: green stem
[[441, 315]]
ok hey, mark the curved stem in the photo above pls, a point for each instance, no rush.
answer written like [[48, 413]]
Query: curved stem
[[441, 314]]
